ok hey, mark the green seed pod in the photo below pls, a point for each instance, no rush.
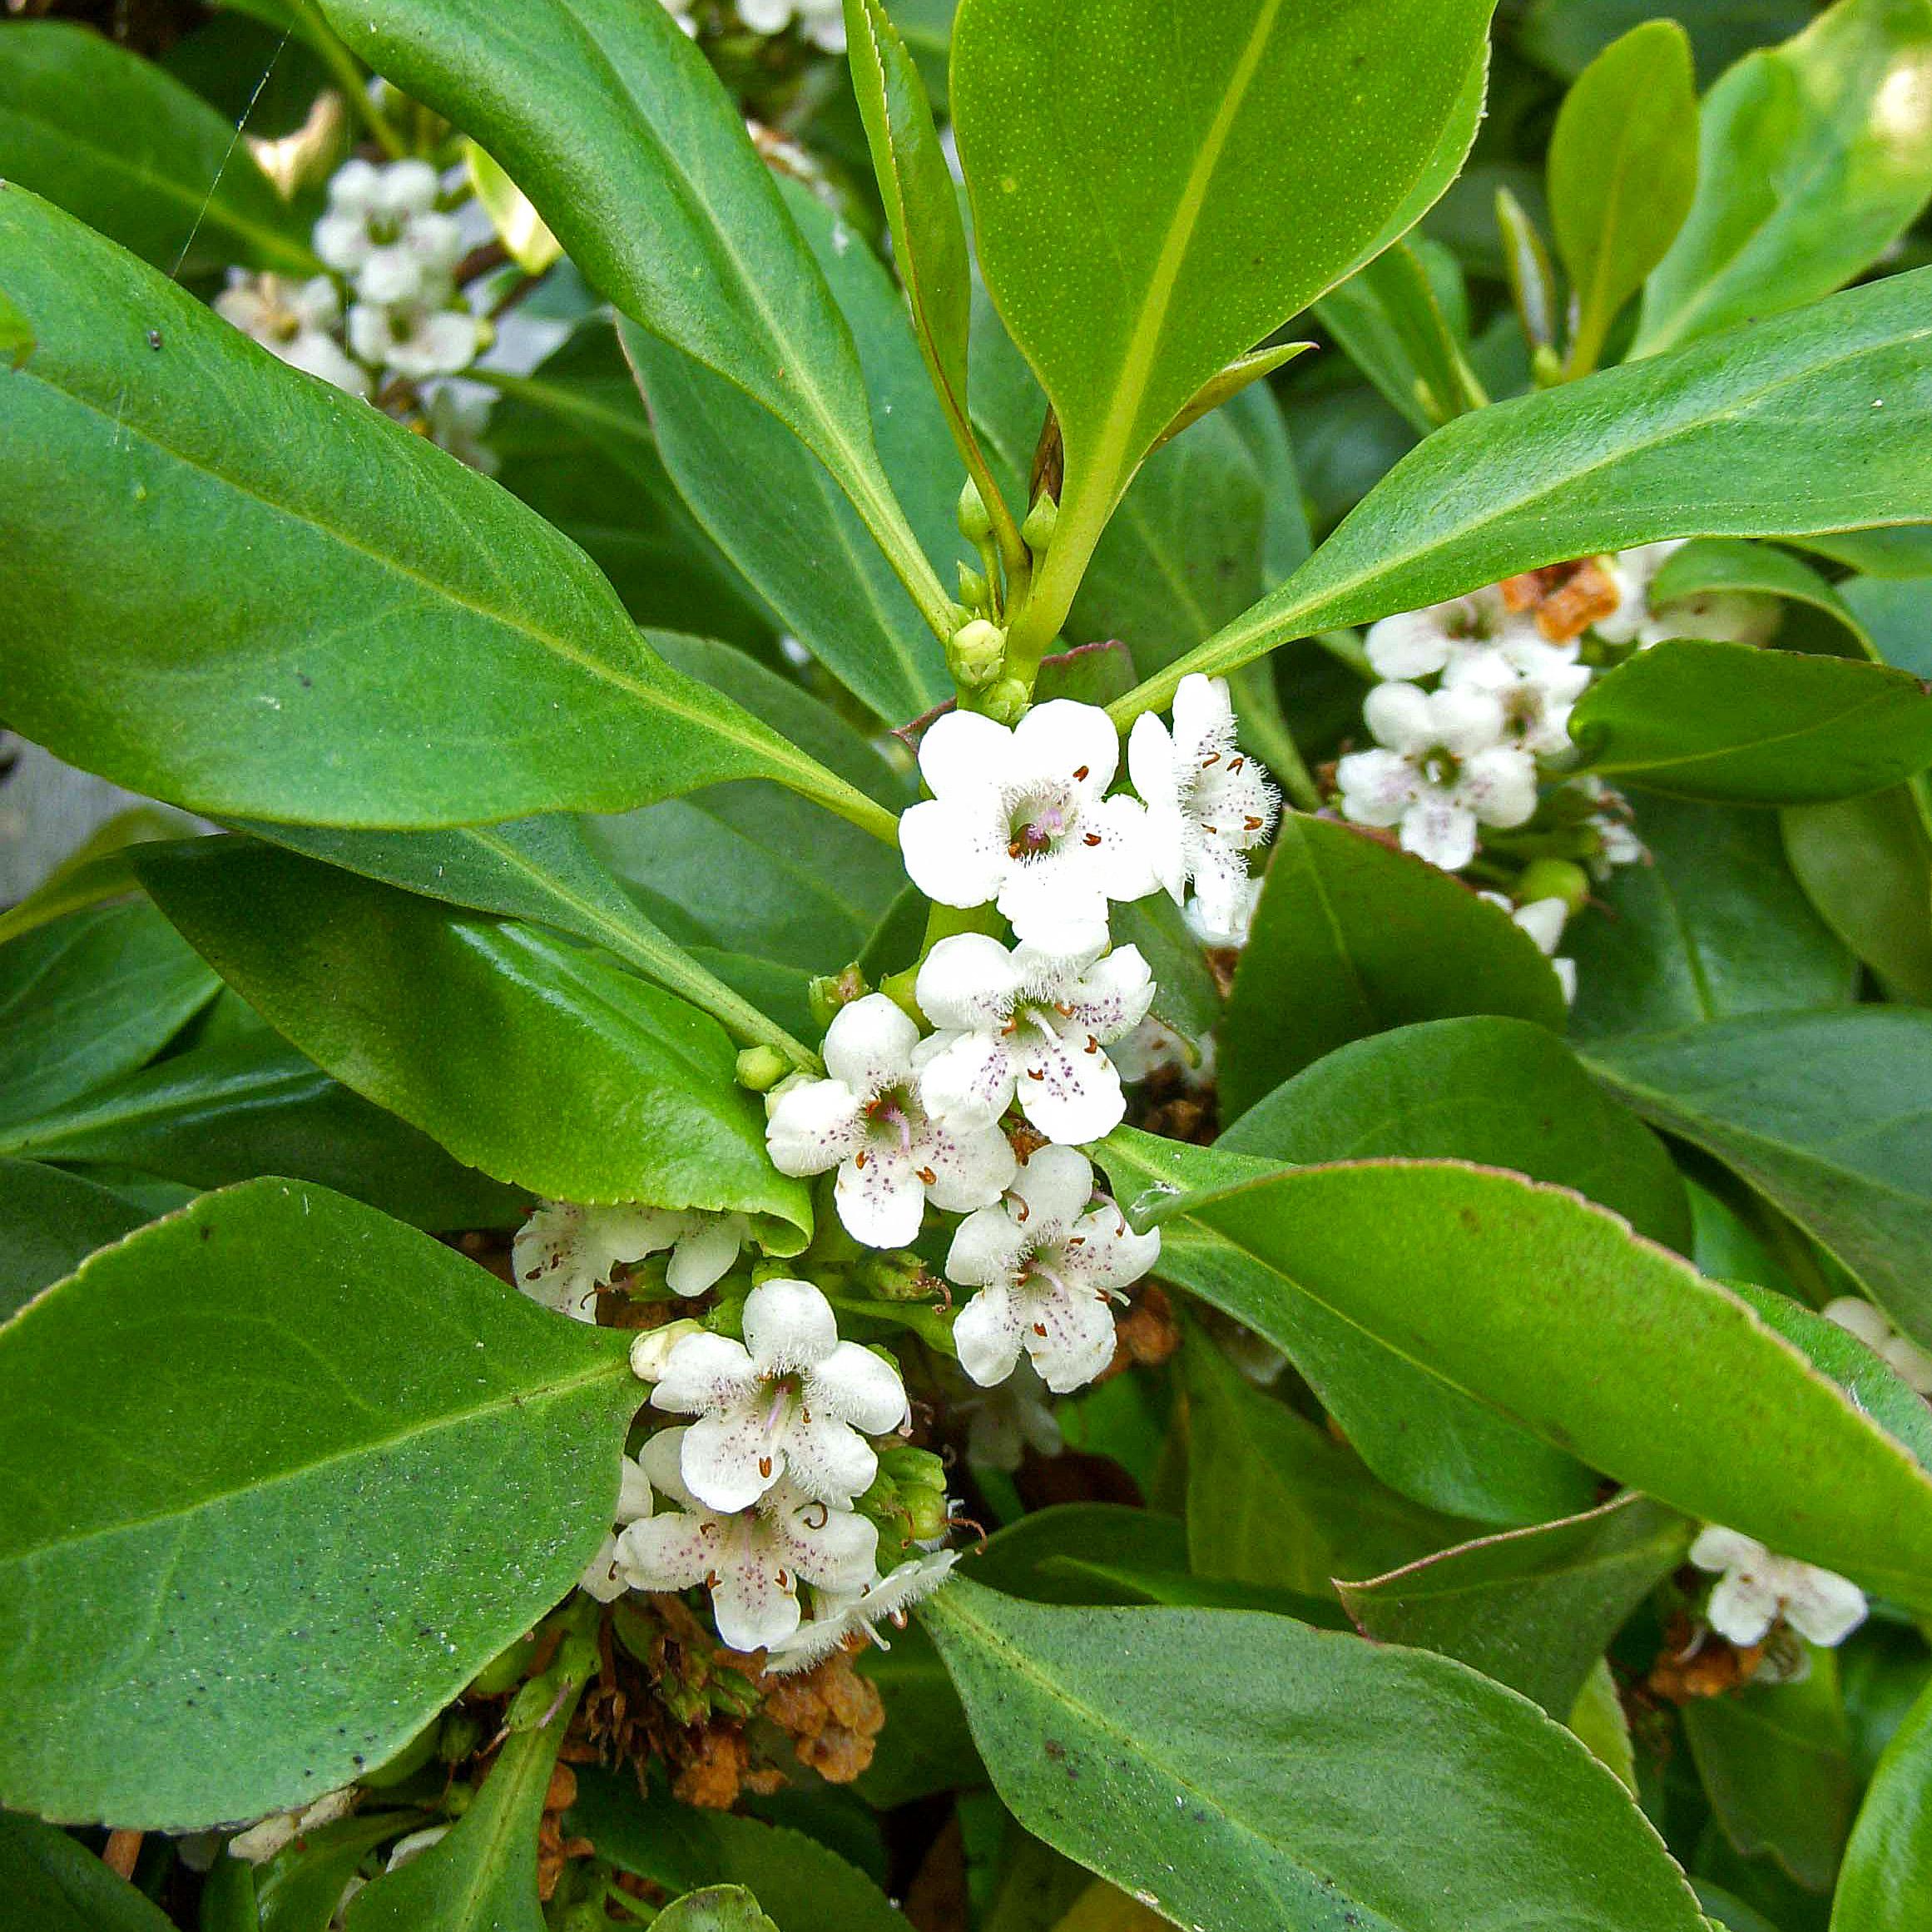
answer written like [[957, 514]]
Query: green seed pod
[[1555, 879]]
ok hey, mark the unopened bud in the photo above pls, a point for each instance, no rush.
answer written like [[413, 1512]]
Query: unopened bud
[[974, 593], [914, 1468], [975, 653], [926, 1512], [1007, 702], [1037, 530], [975, 525], [651, 1350], [897, 1276], [1555, 879], [827, 994], [761, 1068]]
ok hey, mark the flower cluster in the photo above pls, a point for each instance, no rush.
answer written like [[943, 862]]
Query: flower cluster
[[973, 1093], [1472, 714]]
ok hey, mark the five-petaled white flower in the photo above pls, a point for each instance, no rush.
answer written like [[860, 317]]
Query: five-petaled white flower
[[382, 231], [751, 1560], [415, 339], [1446, 768], [603, 1576], [868, 1121], [788, 1402], [1536, 684], [1029, 1022], [565, 1251], [1048, 1268], [1756, 1588], [1208, 803], [1416, 644], [296, 321], [1022, 816], [840, 1615], [1911, 1363]]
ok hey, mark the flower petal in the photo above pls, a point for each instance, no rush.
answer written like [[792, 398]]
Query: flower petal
[[987, 1249], [706, 1372], [1068, 1334], [963, 752], [882, 1203], [1052, 1191], [1152, 763], [704, 1253], [968, 1078], [829, 1460], [1065, 739], [955, 848], [868, 1045], [814, 1125], [1068, 1087], [970, 1165], [987, 1335], [730, 1460], [1400, 717], [857, 1386], [967, 983], [668, 1552], [788, 1325]]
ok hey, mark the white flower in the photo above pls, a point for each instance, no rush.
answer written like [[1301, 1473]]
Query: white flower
[[414, 339], [1208, 804], [383, 232], [1543, 919], [1022, 816], [565, 1251], [821, 21], [1010, 1418], [1446, 770], [267, 1836], [1911, 1363], [1026, 1021], [867, 1121], [1230, 925], [790, 1400], [1420, 643], [602, 1577], [293, 320], [1047, 1271], [1757, 1589], [458, 416], [751, 1560], [1536, 684], [838, 1615]]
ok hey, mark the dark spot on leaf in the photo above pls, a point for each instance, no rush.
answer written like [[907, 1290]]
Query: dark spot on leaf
[[153, 338]]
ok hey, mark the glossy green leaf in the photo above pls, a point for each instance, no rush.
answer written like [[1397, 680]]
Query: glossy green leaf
[[1518, 1295], [612, 122], [715, 1909], [1886, 1886], [1822, 1113], [89, 999], [327, 1558], [1565, 36], [1239, 1770], [52, 1883], [1403, 320], [1534, 1608], [95, 870], [1502, 1093], [1369, 938], [1273, 1500], [543, 870], [299, 1888], [1138, 235], [125, 146], [1729, 722], [1622, 175], [518, 226], [50, 1222], [536, 1061], [1866, 864], [1816, 421], [1775, 1761], [1814, 157], [232, 1109], [810, 1888], [1598, 1717], [1420, 1435], [151, 519]]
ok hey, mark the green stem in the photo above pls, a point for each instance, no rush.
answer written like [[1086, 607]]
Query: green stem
[[350, 78]]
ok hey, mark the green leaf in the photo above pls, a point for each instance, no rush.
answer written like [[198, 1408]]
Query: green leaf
[[810, 1888], [1817, 421], [1273, 1500], [613, 124], [1866, 864], [1534, 1608], [233, 1109], [152, 518], [1518, 1295], [131, 151], [1775, 1761], [299, 1888], [1501, 1093], [716, 1909], [1729, 722], [1823, 1114], [1886, 1885], [89, 999], [1815, 157], [50, 1222], [535, 1061], [542, 870], [15, 336], [54, 1883], [1138, 235], [326, 1559], [1370, 938], [1186, 996], [1598, 1717], [1722, 566], [1420, 1435], [1565, 36], [1713, 926], [1622, 175], [1236, 1769], [525, 237], [1403, 322]]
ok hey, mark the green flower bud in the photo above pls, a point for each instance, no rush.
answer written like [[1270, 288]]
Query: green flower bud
[[652, 1348], [975, 525], [1555, 879], [761, 1068], [828, 993], [1038, 528], [976, 652], [897, 1276], [460, 1736], [911, 1468], [926, 1512], [1007, 702], [974, 593]]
